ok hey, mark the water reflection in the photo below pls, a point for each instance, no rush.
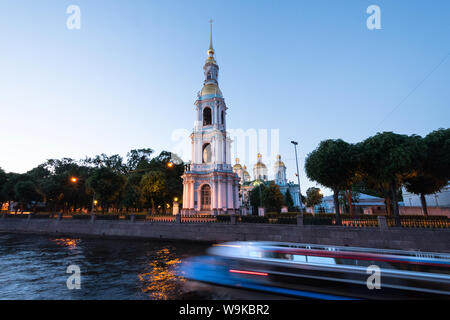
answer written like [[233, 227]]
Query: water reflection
[[67, 242], [159, 280], [34, 267]]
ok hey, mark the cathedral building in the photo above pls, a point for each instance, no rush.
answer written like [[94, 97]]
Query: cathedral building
[[209, 184], [260, 169]]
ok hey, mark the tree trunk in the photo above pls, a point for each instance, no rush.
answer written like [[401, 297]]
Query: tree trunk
[[336, 207], [424, 204], [349, 200], [395, 204]]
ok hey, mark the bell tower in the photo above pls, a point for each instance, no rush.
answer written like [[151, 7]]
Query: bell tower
[[209, 184]]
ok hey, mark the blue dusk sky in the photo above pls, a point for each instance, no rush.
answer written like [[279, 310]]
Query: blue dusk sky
[[129, 77]]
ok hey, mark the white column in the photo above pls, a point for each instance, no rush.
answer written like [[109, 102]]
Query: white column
[[230, 195], [214, 194], [184, 196], [220, 195], [191, 194]]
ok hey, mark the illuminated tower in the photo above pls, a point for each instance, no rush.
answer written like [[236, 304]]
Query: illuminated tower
[[209, 184]]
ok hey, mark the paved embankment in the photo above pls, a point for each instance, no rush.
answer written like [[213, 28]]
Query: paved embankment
[[437, 240]]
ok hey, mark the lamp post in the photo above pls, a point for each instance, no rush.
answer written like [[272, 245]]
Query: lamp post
[[94, 202], [298, 177]]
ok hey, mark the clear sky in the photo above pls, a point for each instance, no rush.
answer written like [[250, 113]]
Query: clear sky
[[129, 77]]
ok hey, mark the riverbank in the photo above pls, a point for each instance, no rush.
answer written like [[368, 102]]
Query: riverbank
[[423, 239]]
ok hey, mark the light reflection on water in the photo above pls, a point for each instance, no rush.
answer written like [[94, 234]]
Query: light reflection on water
[[34, 267], [159, 280]]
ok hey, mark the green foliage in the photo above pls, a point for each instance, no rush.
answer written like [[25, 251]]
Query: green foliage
[[332, 165], [27, 192], [272, 198], [313, 197], [288, 201], [154, 187], [107, 185], [256, 196]]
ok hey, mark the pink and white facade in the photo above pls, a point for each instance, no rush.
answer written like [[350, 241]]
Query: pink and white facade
[[209, 184]]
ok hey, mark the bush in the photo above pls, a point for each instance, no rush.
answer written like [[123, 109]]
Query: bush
[[254, 219], [223, 218], [318, 219], [81, 216]]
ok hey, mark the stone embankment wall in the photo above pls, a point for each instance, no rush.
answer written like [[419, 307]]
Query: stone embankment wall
[[437, 240]]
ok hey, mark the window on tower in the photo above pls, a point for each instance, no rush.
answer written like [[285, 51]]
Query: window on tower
[[207, 118], [223, 117], [207, 153]]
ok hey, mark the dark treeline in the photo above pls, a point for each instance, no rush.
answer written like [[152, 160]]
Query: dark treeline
[[381, 165], [139, 183]]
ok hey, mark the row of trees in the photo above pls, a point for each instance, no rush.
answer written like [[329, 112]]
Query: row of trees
[[269, 196], [384, 163], [140, 182]]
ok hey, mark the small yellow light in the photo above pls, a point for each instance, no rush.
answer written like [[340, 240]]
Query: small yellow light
[[169, 164], [73, 179], [95, 202], [175, 199]]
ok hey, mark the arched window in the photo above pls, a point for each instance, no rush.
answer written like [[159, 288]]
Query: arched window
[[223, 117], [205, 197], [206, 153], [207, 119]]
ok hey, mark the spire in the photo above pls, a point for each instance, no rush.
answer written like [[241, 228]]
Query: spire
[[211, 49]]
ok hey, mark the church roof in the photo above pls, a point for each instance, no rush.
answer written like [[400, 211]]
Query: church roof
[[209, 89], [279, 163]]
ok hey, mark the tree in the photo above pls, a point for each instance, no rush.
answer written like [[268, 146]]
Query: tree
[[138, 159], [132, 196], [438, 147], [332, 165], [288, 201], [3, 180], [425, 184], [27, 192], [272, 198], [256, 196], [313, 197], [387, 159], [347, 198], [153, 186], [433, 172], [107, 186]]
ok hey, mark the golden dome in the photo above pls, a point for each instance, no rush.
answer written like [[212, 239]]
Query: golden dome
[[237, 166], [260, 165], [210, 89], [279, 163]]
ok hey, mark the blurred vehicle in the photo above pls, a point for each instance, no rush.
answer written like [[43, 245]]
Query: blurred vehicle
[[322, 272]]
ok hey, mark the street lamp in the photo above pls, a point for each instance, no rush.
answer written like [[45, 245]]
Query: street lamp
[[169, 164], [298, 177], [94, 202]]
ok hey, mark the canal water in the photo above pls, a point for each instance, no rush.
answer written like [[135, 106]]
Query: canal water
[[35, 267]]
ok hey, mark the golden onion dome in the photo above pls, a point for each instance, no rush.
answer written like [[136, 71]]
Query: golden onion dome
[[237, 165], [279, 163], [210, 89], [260, 165]]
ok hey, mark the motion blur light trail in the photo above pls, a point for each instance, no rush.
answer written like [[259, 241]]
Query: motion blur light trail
[[322, 272]]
